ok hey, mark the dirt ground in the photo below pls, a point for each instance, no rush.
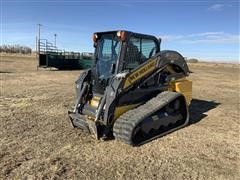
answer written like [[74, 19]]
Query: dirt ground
[[37, 140]]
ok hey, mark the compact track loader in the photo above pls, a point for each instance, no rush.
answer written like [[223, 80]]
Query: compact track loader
[[133, 92]]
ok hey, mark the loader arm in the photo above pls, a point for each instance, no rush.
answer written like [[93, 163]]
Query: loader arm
[[128, 90]]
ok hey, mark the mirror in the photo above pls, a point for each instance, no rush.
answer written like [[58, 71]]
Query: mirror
[[113, 67], [160, 40]]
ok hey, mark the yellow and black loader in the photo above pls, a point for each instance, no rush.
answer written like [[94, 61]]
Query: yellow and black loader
[[133, 92]]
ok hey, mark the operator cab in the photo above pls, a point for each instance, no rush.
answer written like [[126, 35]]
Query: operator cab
[[119, 51]]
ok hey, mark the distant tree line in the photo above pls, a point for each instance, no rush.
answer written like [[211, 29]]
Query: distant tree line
[[15, 49], [192, 60]]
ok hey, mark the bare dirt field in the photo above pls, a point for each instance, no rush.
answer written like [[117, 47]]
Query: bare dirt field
[[37, 140]]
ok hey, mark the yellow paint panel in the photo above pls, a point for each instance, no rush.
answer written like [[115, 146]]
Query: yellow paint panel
[[183, 86], [141, 72], [122, 109], [94, 101]]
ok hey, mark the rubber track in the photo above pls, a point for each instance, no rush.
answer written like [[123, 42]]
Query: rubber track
[[126, 123]]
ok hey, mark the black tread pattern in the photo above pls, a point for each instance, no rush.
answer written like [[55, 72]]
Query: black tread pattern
[[126, 123]]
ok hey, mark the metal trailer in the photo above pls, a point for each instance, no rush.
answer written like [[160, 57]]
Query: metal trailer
[[50, 56]]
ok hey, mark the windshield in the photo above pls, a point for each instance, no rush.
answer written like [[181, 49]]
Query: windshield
[[107, 55]]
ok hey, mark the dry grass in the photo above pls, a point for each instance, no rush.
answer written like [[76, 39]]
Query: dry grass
[[37, 140]]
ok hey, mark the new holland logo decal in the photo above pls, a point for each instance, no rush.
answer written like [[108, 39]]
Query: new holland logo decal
[[139, 73]]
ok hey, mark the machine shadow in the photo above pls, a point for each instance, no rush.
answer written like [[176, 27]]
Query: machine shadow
[[5, 72], [198, 108]]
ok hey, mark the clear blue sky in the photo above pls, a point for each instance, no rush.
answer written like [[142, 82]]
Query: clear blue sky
[[203, 29]]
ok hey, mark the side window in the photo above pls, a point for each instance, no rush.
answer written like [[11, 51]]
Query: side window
[[148, 48], [138, 51], [132, 57]]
